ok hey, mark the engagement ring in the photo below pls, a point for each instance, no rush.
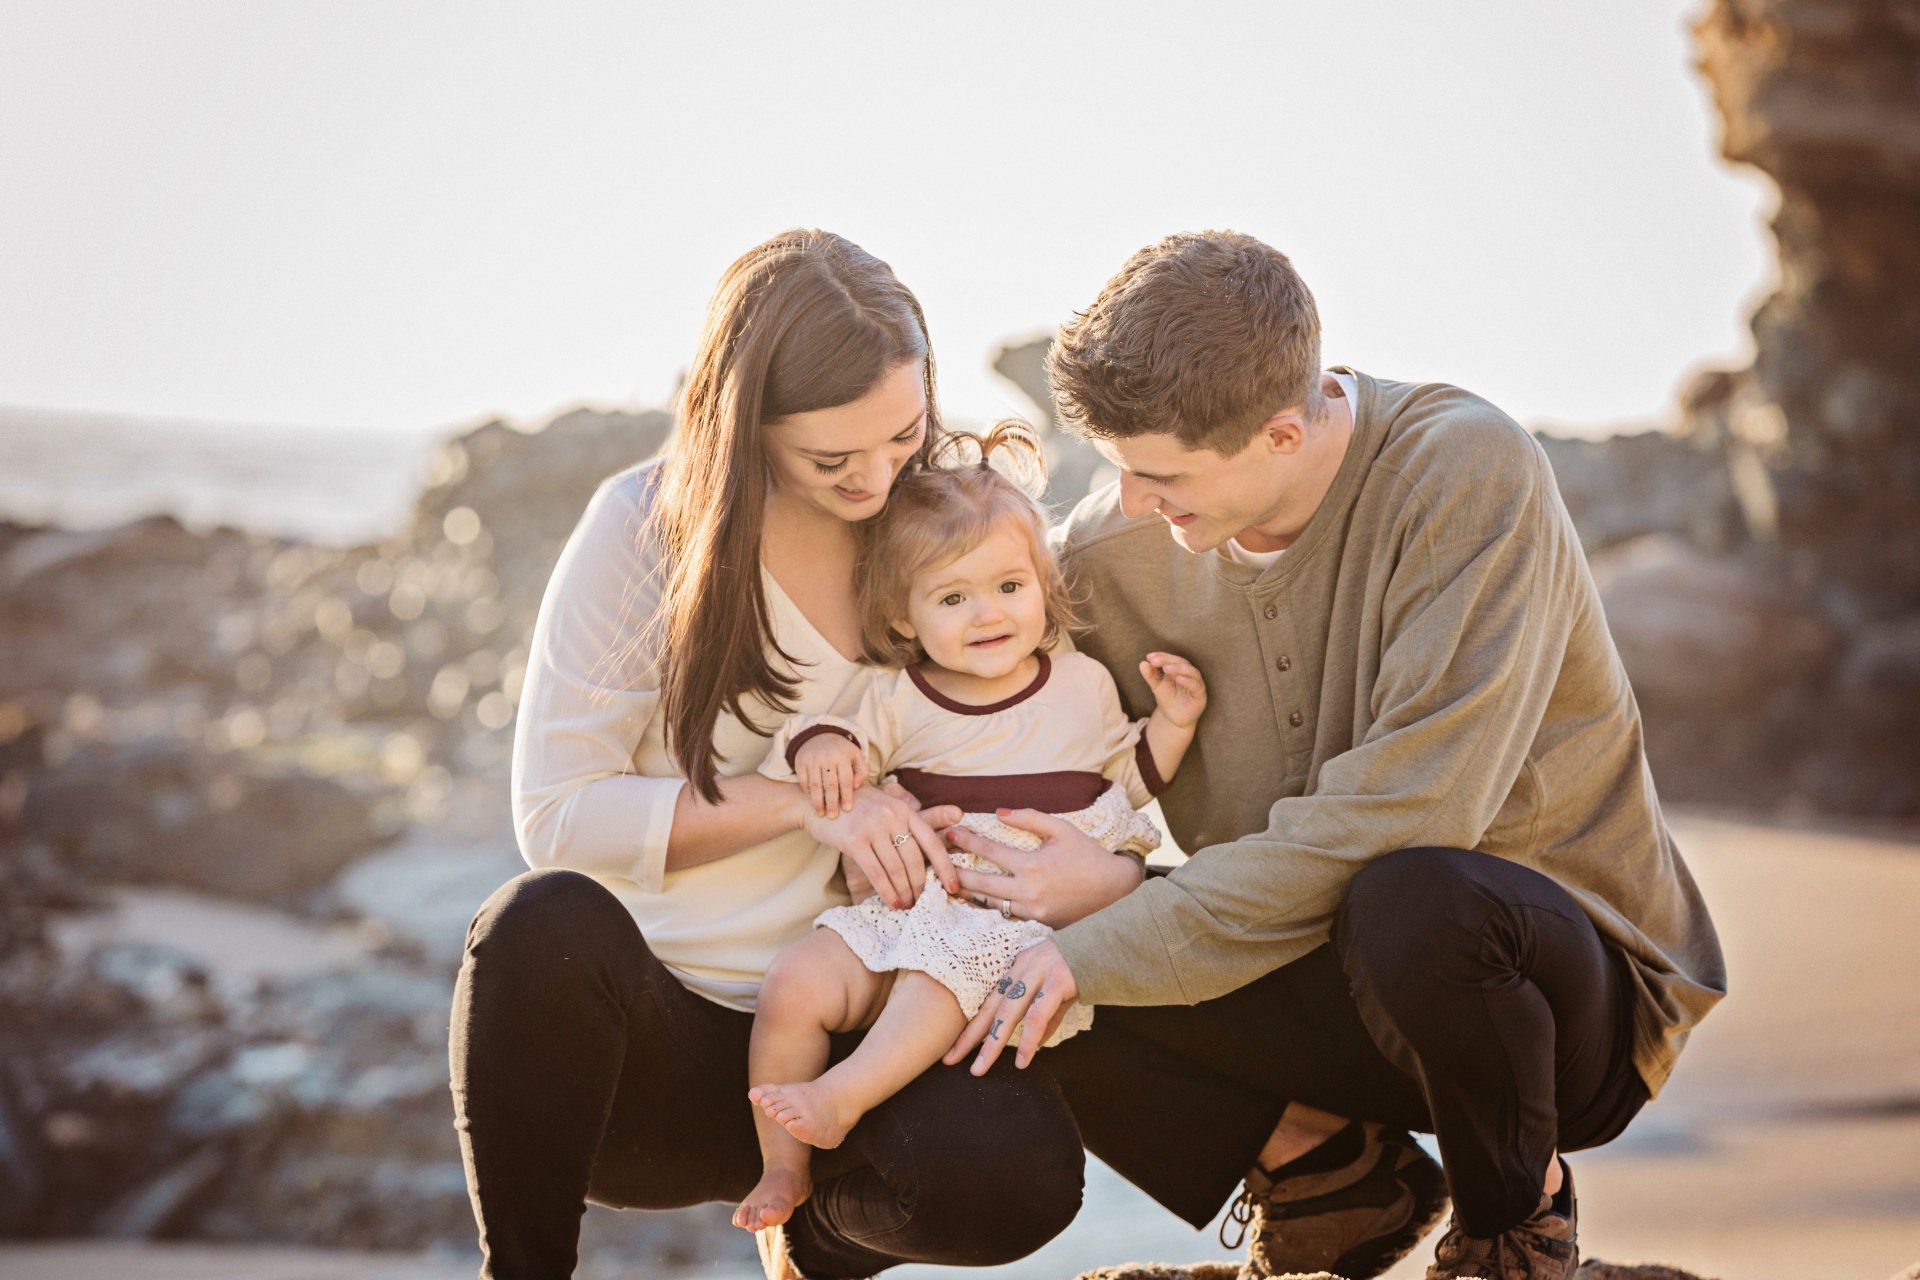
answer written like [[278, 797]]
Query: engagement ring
[[901, 838], [1006, 907]]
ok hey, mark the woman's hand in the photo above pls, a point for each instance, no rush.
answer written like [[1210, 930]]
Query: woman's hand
[[1071, 875], [1037, 990], [866, 832]]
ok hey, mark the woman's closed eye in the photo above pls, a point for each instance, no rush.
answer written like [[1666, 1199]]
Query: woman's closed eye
[[908, 436]]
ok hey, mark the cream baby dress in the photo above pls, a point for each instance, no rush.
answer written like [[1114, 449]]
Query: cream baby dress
[[1062, 745]]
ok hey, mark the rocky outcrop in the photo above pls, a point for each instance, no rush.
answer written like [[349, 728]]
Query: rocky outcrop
[[314, 730], [1823, 431]]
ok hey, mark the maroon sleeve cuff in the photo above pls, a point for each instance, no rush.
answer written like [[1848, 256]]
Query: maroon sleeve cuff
[[1149, 771], [801, 738]]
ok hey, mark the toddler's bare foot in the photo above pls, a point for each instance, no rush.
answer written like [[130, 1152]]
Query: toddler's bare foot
[[811, 1112], [774, 1198]]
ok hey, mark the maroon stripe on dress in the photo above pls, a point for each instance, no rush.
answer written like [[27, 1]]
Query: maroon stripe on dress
[[1060, 792], [1149, 771], [940, 699], [801, 738]]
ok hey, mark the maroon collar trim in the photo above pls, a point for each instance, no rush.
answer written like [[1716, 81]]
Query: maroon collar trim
[[940, 699]]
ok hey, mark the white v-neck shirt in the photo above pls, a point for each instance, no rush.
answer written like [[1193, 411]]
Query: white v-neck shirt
[[1231, 548], [594, 787]]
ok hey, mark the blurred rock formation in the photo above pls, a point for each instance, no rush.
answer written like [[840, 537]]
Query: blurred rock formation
[[1822, 433], [321, 735]]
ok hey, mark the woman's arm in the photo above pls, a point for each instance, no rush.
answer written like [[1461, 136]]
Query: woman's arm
[[753, 810], [588, 700]]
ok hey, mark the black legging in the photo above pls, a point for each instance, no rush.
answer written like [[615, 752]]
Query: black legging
[[1461, 993], [582, 1068]]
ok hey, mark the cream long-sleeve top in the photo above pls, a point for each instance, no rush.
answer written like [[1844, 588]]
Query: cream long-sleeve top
[[594, 787], [1053, 746]]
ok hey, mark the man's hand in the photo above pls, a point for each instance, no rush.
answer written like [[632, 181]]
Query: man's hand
[[830, 768], [1178, 690], [1070, 876], [1036, 992]]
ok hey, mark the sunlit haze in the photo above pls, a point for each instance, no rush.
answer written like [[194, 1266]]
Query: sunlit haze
[[409, 216]]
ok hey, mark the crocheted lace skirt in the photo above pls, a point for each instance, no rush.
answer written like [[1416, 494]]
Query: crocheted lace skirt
[[967, 948]]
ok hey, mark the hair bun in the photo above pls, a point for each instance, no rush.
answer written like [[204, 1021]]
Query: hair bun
[[1011, 447]]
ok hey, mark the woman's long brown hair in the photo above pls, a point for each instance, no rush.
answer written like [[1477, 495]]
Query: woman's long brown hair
[[807, 320]]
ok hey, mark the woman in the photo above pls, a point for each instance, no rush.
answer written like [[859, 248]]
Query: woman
[[602, 1011]]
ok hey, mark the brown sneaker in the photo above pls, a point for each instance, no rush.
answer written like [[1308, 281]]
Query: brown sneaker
[[1355, 1221], [1543, 1247]]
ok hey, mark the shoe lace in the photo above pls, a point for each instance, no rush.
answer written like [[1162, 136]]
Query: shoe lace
[[1239, 1215]]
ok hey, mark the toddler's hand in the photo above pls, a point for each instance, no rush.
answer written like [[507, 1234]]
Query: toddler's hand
[[830, 768], [1177, 688]]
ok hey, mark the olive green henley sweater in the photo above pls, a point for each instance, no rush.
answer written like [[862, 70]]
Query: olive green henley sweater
[[1428, 664]]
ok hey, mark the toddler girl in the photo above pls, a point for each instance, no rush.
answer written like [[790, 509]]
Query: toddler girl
[[959, 592]]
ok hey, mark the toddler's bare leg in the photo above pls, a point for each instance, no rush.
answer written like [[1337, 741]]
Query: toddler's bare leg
[[814, 987], [917, 1026]]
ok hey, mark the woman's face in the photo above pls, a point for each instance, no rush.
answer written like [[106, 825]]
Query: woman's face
[[843, 460]]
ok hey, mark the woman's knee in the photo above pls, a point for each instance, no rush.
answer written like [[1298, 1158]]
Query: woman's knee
[[536, 910]]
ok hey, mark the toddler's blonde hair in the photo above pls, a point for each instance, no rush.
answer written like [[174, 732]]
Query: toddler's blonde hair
[[939, 513]]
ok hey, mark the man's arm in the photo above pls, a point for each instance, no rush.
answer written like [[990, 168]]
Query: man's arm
[[1473, 634]]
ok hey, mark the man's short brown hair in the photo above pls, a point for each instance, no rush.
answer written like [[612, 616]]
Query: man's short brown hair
[[1204, 335]]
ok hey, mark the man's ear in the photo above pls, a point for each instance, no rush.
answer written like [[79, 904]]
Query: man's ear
[[1284, 432]]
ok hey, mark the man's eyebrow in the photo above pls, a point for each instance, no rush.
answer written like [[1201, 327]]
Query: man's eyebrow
[[848, 453]]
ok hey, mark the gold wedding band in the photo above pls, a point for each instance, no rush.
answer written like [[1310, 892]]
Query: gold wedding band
[[1006, 908]]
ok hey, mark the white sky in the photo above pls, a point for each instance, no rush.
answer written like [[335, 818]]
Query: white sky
[[405, 216]]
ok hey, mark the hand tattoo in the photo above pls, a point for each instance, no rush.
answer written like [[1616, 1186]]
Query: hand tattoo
[[1018, 989], [1002, 985], [994, 1034]]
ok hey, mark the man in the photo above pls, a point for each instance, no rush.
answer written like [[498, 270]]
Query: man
[[1430, 884]]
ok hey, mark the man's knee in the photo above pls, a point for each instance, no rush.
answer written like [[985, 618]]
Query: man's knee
[[1397, 911], [1013, 1161], [1030, 1193]]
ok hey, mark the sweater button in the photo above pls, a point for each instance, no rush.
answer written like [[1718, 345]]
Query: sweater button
[[1296, 719], [1271, 612], [1283, 663]]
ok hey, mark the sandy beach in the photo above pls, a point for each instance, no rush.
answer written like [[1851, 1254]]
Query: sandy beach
[[1787, 1145]]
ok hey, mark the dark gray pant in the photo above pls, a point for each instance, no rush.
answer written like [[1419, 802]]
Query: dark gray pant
[[1462, 995]]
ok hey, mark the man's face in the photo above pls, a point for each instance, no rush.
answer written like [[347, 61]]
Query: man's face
[[1203, 496]]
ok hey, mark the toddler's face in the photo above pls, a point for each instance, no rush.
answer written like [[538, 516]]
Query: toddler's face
[[983, 612]]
